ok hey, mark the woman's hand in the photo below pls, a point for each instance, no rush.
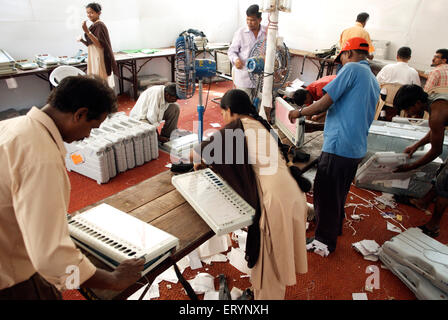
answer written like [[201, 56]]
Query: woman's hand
[[199, 166], [84, 27]]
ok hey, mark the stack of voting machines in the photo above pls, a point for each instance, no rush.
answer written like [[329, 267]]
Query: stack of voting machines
[[420, 262], [114, 236], [215, 201]]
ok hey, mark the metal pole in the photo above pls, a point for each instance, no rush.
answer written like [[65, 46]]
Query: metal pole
[[201, 110], [271, 47]]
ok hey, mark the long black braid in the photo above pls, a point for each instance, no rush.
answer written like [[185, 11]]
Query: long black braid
[[239, 102]]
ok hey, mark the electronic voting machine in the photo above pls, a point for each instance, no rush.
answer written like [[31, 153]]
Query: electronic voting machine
[[113, 236], [420, 261], [214, 200]]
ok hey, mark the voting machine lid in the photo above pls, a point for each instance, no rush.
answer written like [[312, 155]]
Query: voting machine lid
[[295, 132]]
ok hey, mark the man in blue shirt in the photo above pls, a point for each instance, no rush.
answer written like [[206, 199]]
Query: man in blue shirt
[[350, 99]]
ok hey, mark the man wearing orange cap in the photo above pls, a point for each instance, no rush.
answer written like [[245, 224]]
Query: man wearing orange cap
[[350, 102]]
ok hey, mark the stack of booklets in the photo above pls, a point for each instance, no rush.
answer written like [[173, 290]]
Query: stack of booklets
[[420, 261], [26, 64], [114, 236], [7, 63]]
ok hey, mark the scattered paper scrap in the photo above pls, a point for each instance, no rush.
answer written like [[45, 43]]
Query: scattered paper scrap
[[240, 236], [215, 125], [215, 245], [169, 165], [359, 296], [195, 261], [215, 258], [202, 283], [393, 228], [236, 259], [152, 293], [211, 295], [388, 215], [235, 293]]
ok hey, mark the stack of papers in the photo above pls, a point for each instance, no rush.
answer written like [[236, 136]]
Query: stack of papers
[[368, 248]]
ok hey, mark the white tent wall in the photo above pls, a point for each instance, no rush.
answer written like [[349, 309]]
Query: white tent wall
[[317, 24], [30, 27]]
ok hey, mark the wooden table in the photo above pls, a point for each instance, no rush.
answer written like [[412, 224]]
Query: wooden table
[[320, 63], [155, 201]]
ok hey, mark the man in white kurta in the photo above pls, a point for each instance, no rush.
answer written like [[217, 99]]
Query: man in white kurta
[[155, 104]]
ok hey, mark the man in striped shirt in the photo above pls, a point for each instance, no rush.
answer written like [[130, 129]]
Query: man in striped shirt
[[438, 78]]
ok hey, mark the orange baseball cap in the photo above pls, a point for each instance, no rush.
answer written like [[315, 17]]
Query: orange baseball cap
[[353, 44]]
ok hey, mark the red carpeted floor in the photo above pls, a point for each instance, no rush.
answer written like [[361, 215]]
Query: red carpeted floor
[[332, 278]]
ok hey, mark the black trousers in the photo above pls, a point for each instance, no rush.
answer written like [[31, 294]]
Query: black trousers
[[331, 186], [35, 288]]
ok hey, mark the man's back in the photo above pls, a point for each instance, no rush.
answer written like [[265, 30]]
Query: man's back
[[151, 98], [34, 193], [354, 92], [357, 31]]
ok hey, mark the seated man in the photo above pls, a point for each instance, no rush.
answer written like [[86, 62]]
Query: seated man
[[438, 78], [155, 104], [400, 73], [414, 100], [313, 92]]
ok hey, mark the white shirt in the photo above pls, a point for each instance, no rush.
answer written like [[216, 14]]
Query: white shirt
[[242, 43], [151, 105], [399, 72]]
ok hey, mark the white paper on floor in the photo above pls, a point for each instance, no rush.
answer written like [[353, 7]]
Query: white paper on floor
[[236, 259], [215, 125], [152, 293], [359, 296], [215, 245], [203, 283], [215, 258], [241, 237], [211, 295], [235, 293], [393, 228], [368, 248], [195, 261]]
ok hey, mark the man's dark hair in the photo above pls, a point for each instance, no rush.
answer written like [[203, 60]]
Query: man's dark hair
[[77, 92], [299, 97], [253, 10], [171, 90], [444, 53], [404, 53], [408, 95], [94, 6], [362, 17]]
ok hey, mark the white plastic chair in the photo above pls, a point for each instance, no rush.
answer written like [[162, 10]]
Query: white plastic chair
[[62, 72]]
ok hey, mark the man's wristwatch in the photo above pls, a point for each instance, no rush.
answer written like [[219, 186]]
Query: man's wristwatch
[[300, 112]]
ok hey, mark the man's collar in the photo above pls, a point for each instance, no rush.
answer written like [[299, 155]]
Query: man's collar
[[48, 123]]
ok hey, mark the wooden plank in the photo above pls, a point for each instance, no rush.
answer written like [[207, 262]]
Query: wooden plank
[[140, 194], [158, 207], [184, 223]]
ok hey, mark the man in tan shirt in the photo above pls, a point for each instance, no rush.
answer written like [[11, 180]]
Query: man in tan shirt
[[37, 255], [358, 31]]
